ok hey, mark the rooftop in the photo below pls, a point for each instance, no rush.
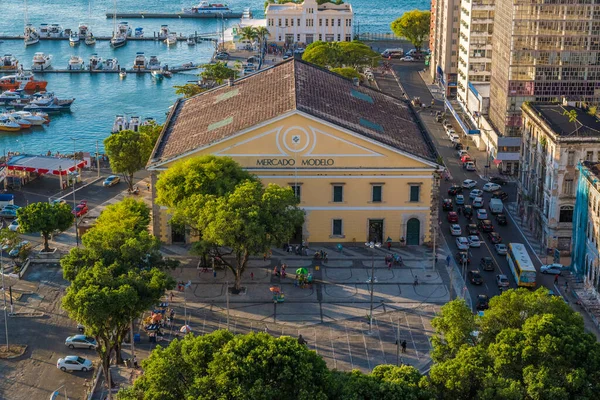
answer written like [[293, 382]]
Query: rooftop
[[586, 125], [290, 86]]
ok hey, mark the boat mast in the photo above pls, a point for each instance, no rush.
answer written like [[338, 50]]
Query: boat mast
[[26, 14], [115, 20]]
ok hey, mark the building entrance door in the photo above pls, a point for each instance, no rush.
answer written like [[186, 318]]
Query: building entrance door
[[413, 232], [375, 230]]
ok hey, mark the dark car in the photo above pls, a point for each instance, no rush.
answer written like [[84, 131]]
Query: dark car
[[486, 226], [463, 256], [483, 302], [486, 263], [438, 118], [501, 219], [452, 216], [494, 237], [475, 277], [458, 146], [468, 211], [498, 180], [454, 190], [447, 205], [499, 194], [471, 229]]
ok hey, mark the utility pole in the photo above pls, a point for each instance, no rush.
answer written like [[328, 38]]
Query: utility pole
[[372, 246]]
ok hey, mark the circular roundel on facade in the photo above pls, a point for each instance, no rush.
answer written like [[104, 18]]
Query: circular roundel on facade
[[296, 139]]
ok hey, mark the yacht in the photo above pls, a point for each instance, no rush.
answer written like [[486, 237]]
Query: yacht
[[83, 31], [33, 118], [120, 124], [7, 125], [124, 29], [140, 61], [12, 95], [44, 30], [149, 121], [153, 63], [164, 32], [171, 39], [90, 39], [118, 41], [157, 74], [22, 122], [139, 32], [134, 123], [22, 81], [208, 8], [96, 62], [31, 35], [76, 63], [122, 73], [41, 61], [111, 64], [191, 40], [55, 31], [74, 39], [8, 62]]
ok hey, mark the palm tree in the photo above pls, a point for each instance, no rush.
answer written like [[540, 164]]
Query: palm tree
[[263, 33]]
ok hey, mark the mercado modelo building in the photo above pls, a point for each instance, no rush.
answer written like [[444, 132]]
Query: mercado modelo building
[[363, 167]]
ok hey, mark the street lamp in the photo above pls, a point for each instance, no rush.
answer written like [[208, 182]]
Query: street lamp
[[372, 246]]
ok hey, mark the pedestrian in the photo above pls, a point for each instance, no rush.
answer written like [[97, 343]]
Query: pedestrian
[[556, 279], [148, 186], [215, 273], [566, 285], [171, 297], [416, 282], [389, 264], [436, 258], [403, 345], [389, 245], [264, 256], [301, 340], [252, 275]]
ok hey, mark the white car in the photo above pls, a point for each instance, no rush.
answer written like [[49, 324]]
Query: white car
[[501, 249], [407, 58], [461, 153], [491, 187], [502, 281], [74, 363], [455, 230], [462, 243], [469, 183], [475, 193], [482, 214], [81, 342], [554, 269], [14, 226], [454, 138], [477, 202], [470, 166], [474, 241]]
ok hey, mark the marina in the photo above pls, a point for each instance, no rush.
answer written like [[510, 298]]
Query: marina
[[199, 37], [137, 15]]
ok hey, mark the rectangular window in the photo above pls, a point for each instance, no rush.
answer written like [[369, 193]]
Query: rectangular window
[[291, 21], [339, 22], [339, 37], [298, 21], [377, 191], [298, 39], [320, 37], [326, 21], [568, 186], [320, 21], [571, 158], [336, 227], [349, 39], [286, 22], [297, 190], [332, 21], [414, 193], [589, 156], [349, 22], [338, 193], [279, 24]]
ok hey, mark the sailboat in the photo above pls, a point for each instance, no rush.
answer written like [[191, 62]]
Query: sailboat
[[118, 40], [90, 40], [31, 34]]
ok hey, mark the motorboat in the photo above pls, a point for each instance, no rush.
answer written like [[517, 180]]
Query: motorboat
[[120, 124], [167, 73], [134, 123], [76, 63], [148, 121], [96, 62], [7, 125], [22, 81], [164, 32], [47, 102], [118, 41], [191, 40], [34, 118], [83, 30], [12, 95], [41, 61], [55, 31], [22, 122], [44, 30], [138, 32], [122, 73], [140, 61], [208, 8], [124, 29], [171, 40], [31, 35], [74, 39], [153, 63], [111, 64], [90, 39], [157, 74], [8, 62]]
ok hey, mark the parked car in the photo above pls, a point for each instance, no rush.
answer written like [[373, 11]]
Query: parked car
[[462, 243], [455, 230], [469, 166], [462, 153], [475, 193], [482, 214], [452, 216], [469, 183], [8, 214], [111, 181], [454, 190], [458, 145], [501, 219], [486, 263], [475, 277], [407, 58], [460, 200], [498, 180], [486, 226], [491, 187], [454, 138], [447, 205], [554, 269], [74, 363], [222, 56], [483, 302], [11, 207], [15, 251], [477, 202], [80, 209], [501, 249], [465, 158], [499, 194], [81, 342], [494, 237], [468, 211], [14, 226], [462, 257], [502, 281], [474, 241], [471, 229], [299, 50]]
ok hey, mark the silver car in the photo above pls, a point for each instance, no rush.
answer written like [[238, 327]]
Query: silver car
[[501, 249], [81, 342], [554, 269]]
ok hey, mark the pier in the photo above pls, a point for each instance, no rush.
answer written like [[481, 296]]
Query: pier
[[198, 37], [174, 15], [174, 69]]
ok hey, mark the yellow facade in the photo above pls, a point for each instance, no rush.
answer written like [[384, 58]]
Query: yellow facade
[[300, 150]]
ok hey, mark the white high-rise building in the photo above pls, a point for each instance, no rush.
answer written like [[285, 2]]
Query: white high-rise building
[[443, 44]]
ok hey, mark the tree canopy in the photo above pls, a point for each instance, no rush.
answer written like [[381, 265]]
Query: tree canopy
[[353, 54], [129, 151], [189, 90], [45, 218], [218, 72], [349, 73], [414, 26]]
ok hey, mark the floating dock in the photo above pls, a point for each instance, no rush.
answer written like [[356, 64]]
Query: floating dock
[[174, 15]]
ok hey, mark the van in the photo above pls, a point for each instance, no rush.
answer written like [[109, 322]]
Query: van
[[496, 206], [393, 53], [454, 138]]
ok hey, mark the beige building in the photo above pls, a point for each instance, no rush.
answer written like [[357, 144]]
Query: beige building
[[309, 22], [362, 166], [443, 44]]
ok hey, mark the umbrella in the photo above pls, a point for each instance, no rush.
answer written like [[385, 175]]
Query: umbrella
[[301, 271], [274, 289], [185, 329]]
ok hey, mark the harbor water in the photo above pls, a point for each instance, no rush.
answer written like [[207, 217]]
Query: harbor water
[[99, 97]]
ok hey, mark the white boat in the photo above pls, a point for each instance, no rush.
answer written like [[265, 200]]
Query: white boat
[[34, 119], [9, 126], [83, 31], [124, 29], [22, 122], [76, 63], [134, 123], [31, 35], [157, 74], [122, 73], [208, 8], [111, 64], [41, 61], [149, 121], [8, 62], [171, 40], [153, 63], [74, 39], [118, 39], [12, 95], [96, 62], [191, 40], [138, 32], [164, 32], [90, 39], [44, 30], [120, 124], [55, 31], [140, 62]]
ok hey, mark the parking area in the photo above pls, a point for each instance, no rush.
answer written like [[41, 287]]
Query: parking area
[[42, 325]]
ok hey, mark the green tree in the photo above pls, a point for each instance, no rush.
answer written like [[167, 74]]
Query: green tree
[[45, 218], [218, 72], [189, 90], [324, 54], [356, 54], [129, 151], [222, 366], [248, 33], [262, 33], [346, 72], [454, 326], [414, 26]]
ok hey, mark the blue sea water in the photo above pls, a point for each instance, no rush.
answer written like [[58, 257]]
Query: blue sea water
[[99, 97]]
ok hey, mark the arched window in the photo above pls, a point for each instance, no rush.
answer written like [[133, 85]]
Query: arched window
[[566, 214]]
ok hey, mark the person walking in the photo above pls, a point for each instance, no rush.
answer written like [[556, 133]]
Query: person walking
[[148, 186], [252, 276], [556, 279], [416, 282], [389, 246], [403, 345]]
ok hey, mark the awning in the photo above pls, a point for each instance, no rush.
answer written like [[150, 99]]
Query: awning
[[44, 164], [508, 156]]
